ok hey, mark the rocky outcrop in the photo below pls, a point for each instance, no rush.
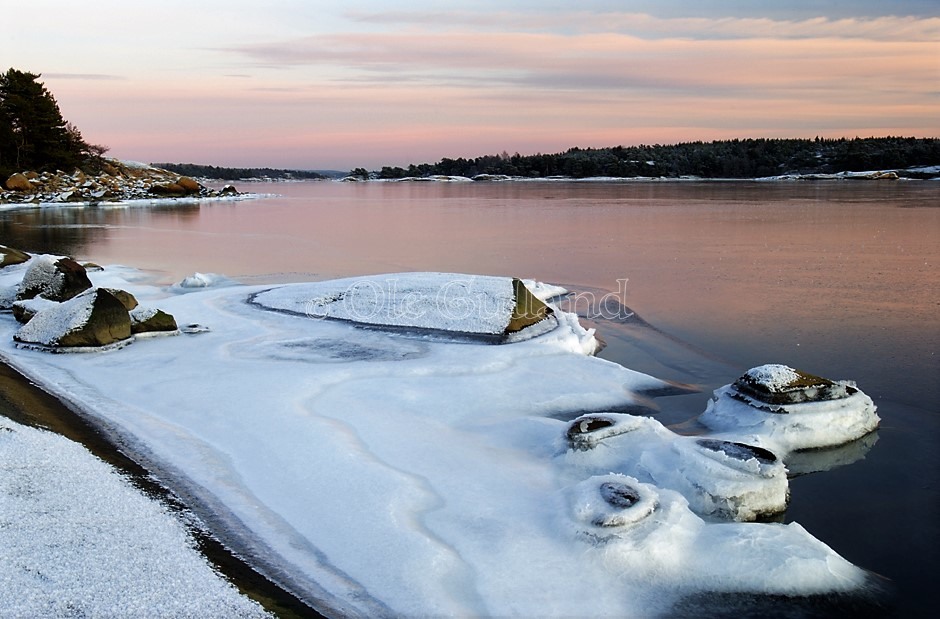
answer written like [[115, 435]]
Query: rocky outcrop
[[10, 256], [117, 181], [54, 278], [93, 319]]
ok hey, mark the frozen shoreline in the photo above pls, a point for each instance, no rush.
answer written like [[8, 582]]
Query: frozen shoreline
[[295, 403]]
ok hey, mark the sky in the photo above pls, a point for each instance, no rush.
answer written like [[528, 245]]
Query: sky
[[336, 85]]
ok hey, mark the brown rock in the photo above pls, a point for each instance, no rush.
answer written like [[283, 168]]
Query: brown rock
[[168, 189], [151, 320], [95, 318], [10, 256], [57, 279], [189, 185], [126, 298], [19, 182], [528, 310]]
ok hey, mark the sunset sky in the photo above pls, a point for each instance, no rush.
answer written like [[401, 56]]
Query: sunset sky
[[312, 85]]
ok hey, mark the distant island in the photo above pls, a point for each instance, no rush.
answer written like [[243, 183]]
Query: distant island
[[244, 174], [733, 159]]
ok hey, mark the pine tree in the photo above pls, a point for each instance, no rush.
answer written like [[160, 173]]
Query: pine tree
[[33, 134]]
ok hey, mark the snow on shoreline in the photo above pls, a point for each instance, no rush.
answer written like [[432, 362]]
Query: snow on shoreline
[[112, 552], [379, 473]]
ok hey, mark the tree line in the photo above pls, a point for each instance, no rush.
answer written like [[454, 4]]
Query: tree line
[[33, 134], [748, 158], [236, 174]]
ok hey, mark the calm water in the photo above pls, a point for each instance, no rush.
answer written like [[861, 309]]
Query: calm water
[[839, 279]]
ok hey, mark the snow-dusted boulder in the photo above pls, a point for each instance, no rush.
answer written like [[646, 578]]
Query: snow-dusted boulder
[[92, 319], [10, 256], [24, 310], [152, 320], [719, 478], [53, 277], [479, 306], [791, 410]]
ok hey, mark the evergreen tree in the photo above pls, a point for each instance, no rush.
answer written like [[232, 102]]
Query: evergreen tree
[[33, 134]]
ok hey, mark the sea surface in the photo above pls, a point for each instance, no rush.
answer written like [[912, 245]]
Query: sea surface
[[692, 282]]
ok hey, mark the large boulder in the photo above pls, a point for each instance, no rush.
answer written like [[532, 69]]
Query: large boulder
[[189, 185], [19, 182], [54, 278], [10, 256], [92, 319]]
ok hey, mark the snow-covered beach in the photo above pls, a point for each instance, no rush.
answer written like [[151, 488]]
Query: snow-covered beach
[[410, 473]]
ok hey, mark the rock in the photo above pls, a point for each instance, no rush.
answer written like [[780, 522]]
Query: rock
[[19, 182], [91, 266], [781, 384], [528, 309], [7, 297], [94, 318], [10, 256], [228, 190], [168, 189], [54, 278], [126, 298], [24, 311], [151, 320], [189, 185], [31, 175]]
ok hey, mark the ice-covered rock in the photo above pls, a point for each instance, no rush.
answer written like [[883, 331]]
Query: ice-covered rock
[[53, 277], [791, 410], [92, 319], [203, 280], [649, 532], [479, 306], [719, 478]]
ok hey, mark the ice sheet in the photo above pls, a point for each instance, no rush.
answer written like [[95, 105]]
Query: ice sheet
[[405, 474]]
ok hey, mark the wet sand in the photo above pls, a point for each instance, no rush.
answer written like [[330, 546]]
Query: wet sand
[[24, 402]]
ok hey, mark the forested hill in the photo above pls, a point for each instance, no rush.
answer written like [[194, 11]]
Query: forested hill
[[751, 158], [235, 174]]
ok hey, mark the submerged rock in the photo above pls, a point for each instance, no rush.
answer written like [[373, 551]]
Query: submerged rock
[[54, 278], [92, 319]]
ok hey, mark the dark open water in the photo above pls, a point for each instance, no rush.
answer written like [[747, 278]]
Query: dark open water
[[840, 279]]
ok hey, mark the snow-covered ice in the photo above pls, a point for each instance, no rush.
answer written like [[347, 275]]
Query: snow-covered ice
[[66, 551], [386, 473]]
